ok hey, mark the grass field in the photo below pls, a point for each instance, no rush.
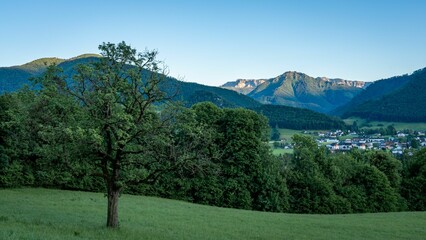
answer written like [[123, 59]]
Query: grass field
[[55, 214], [278, 151], [397, 125], [287, 134]]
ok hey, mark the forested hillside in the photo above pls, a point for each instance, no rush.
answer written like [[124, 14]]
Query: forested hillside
[[296, 118], [404, 104], [374, 91], [13, 78]]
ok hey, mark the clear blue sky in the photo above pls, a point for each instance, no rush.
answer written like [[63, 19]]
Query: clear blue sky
[[216, 41]]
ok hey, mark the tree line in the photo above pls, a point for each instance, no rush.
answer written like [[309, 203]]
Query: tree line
[[109, 128], [298, 118]]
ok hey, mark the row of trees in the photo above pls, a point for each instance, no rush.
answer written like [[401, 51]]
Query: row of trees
[[109, 128]]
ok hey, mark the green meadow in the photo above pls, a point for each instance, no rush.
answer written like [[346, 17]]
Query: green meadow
[[378, 124], [278, 151], [58, 214], [287, 134]]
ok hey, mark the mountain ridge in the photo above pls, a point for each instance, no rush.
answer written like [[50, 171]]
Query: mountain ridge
[[297, 89], [187, 92], [403, 99]]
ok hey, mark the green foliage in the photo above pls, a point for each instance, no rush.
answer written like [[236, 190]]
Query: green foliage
[[235, 167], [275, 135], [414, 182], [388, 165], [342, 183], [310, 190], [403, 104], [374, 91], [296, 118]]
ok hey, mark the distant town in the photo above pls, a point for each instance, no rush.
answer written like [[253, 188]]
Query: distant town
[[341, 141]]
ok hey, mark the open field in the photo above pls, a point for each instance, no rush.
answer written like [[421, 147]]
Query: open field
[[397, 125], [56, 214], [287, 134], [278, 151]]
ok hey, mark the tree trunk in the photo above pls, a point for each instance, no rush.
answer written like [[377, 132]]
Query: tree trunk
[[112, 218]]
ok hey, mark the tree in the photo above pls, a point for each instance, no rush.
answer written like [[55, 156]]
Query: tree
[[388, 165], [413, 185], [275, 136], [117, 124], [310, 190]]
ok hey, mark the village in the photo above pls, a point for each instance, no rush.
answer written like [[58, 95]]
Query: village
[[342, 141], [345, 141]]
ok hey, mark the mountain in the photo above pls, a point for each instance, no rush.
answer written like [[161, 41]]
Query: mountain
[[13, 78], [401, 98], [300, 90], [243, 86], [374, 91]]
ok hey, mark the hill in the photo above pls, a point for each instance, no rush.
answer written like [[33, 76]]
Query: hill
[[300, 90], [374, 91], [403, 99], [13, 78], [297, 118], [58, 214]]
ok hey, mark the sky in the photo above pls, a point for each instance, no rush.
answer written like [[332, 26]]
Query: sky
[[215, 41]]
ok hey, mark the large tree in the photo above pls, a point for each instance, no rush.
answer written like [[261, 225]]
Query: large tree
[[119, 122]]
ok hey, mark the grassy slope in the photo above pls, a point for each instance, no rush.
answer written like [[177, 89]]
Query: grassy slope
[[56, 214], [397, 125], [278, 151]]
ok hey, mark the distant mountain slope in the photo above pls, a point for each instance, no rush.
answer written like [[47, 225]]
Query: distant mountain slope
[[13, 78], [243, 86], [300, 90], [297, 118], [188, 93], [374, 91], [404, 104]]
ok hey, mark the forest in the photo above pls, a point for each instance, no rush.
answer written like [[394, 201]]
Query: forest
[[404, 103], [111, 129]]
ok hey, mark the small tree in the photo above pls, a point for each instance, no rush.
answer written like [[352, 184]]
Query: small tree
[[275, 135]]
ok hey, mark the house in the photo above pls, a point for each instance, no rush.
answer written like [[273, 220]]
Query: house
[[345, 146], [397, 150], [362, 146], [400, 134]]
